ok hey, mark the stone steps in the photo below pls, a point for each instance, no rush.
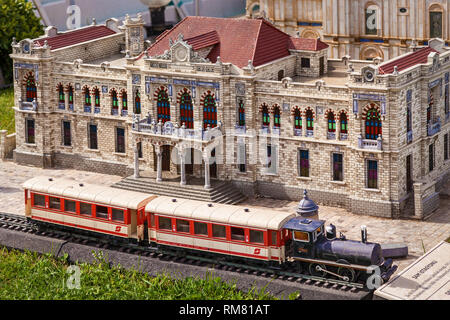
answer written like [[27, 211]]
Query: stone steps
[[220, 192]]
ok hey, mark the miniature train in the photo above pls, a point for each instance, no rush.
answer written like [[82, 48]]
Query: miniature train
[[226, 232]]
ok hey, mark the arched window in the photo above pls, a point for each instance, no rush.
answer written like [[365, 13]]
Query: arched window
[[373, 123], [209, 111], [297, 119], [309, 120], [61, 95], [436, 21], [163, 106], [186, 110], [137, 102], [344, 123], [265, 115], [97, 99], [331, 122], [276, 116], [241, 113], [70, 96], [30, 87], [124, 100], [114, 102], [87, 96]]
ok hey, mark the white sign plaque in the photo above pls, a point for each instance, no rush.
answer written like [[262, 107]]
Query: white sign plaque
[[427, 278]]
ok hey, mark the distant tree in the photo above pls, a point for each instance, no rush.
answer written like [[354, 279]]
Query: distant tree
[[17, 19]]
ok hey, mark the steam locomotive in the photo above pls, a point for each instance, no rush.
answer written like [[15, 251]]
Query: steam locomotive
[[274, 239]]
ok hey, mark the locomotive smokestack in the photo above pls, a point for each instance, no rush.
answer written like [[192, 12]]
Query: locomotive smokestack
[[363, 234]]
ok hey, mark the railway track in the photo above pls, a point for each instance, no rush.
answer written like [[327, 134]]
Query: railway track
[[21, 224]]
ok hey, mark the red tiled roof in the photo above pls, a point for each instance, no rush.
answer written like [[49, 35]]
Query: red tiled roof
[[235, 40], [306, 44], [76, 36], [406, 61], [204, 40]]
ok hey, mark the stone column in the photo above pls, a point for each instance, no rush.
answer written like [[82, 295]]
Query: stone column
[[158, 164], [136, 162], [182, 167], [207, 176]]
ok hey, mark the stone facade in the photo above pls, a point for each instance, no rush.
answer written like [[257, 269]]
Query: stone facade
[[363, 29], [344, 167]]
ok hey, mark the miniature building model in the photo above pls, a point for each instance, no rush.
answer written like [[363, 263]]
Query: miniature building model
[[248, 103], [362, 29]]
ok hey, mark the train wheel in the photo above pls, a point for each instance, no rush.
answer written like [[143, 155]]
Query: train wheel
[[317, 270], [347, 273]]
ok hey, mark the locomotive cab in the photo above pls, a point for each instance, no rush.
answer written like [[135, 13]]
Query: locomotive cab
[[305, 233]]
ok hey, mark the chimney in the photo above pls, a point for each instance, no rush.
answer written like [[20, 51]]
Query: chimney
[[363, 234]]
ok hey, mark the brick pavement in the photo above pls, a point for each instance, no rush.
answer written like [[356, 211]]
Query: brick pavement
[[419, 235]]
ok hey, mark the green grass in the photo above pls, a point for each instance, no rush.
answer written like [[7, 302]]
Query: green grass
[[6, 110], [28, 275]]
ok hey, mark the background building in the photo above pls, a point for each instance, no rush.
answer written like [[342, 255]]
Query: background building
[[363, 29]]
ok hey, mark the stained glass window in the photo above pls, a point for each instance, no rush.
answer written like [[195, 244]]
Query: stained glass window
[[97, 97], [114, 100], [137, 102], [304, 163], [276, 117], [67, 138], [163, 106], [372, 174], [120, 140], [338, 170], [241, 113], [309, 120], [344, 123], [331, 122], [297, 119], [186, 110], [93, 136], [61, 96], [31, 91], [30, 134], [124, 100], [373, 124], [209, 112], [70, 93], [265, 115], [87, 96]]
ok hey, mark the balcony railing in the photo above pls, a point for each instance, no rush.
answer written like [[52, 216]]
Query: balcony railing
[[124, 113], [71, 106], [240, 129], [434, 128], [370, 144], [87, 108], [298, 132], [29, 106], [96, 109], [344, 136], [276, 130], [169, 129], [331, 135], [265, 129], [309, 133], [61, 106], [115, 112]]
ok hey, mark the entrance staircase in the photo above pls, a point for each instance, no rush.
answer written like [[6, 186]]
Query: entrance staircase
[[220, 192]]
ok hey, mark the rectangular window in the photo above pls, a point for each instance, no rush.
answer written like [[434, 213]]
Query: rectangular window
[[237, 234], [446, 101], [218, 231], [409, 181], [241, 157], [446, 147], [306, 63], [301, 236], [431, 157], [165, 223], [85, 209], [93, 136], [372, 174], [120, 140], [272, 159], [54, 203], [101, 212], [39, 200], [117, 215], [139, 147], [183, 226], [256, 236], [303, 163], [338, 167], [273, 238], [200, 228], [29, 131], [70, 206], [435, 24], [67, 138]]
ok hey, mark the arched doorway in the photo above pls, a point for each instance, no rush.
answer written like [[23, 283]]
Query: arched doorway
[[166, 160]]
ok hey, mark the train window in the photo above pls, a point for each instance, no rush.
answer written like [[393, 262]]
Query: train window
[[237, 234], [117, 215], [70, 206], [201, 228], [85, 209], [152, 219], [101, 212], [256, 236], [54, 203], [218, 231], [165, 223], [273, 238], [39, 200], [301, 236], [183, 226]]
